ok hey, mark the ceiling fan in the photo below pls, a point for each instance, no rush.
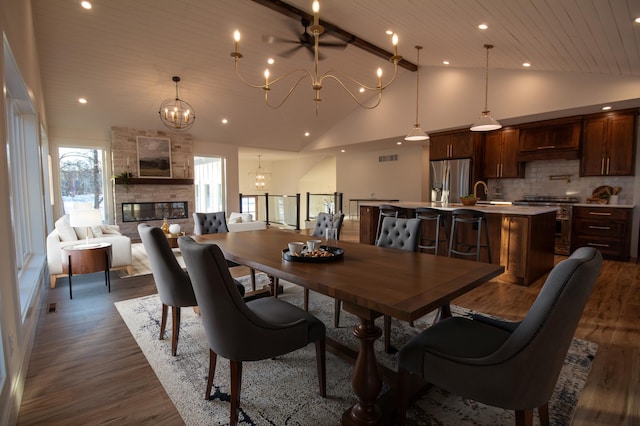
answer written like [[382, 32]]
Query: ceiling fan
[[305, 40]]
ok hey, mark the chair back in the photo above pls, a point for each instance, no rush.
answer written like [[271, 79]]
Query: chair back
[[403, 234], [439, 219], [539, 344], [233, 330], [210, 223], [172, 282], [323, 221]]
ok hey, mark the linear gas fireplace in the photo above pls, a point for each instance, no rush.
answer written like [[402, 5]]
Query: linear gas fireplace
[[140, 212]]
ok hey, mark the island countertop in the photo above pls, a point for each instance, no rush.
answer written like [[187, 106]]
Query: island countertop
[[507, 209]]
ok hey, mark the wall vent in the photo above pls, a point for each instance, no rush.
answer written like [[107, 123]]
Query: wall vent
[[383, 158]]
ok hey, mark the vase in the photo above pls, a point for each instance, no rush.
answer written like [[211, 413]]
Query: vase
[[165, 226], [174, 228]]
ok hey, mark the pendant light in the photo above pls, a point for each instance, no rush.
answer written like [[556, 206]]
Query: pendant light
[[417, 134], [486, 123]]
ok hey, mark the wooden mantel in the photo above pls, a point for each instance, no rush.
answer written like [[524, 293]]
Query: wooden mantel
[[155, 181]]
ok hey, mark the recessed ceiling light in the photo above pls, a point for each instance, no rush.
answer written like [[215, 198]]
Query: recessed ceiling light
[[389, 32], [606, 108], [82, 100], [343, 150], [362, 90], [307, 133], [526, 64], [225, 121], [398, 143], [270, 61], [445, 62], [638, 20], [483, 26], [85, 4]]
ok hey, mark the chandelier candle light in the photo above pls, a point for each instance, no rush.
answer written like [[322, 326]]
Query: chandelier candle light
[[260, 177], [317, 79], [176, 113], [417, 134], [486, 123]]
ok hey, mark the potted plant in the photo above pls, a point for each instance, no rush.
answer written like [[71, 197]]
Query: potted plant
[[123, 178]]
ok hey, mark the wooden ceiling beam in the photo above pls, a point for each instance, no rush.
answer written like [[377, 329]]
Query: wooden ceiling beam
[[293, 12]]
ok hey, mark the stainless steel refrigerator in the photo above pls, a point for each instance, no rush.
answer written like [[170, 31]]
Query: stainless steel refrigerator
[[450, 180]]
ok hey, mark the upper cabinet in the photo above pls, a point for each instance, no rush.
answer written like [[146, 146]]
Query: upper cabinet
[[501, 154], [551, 139], [608, 142], [449, 145]]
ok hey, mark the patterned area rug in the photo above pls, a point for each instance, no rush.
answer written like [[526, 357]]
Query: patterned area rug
[[285, 390]]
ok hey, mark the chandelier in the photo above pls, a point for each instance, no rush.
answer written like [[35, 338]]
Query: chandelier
[[317, 79], [176, 113], [260, 177], [417, 134], [486, 122]]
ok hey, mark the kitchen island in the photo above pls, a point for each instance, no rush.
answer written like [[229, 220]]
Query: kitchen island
[[521, 238]]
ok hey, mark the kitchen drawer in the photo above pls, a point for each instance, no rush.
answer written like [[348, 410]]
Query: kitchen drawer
[[601, 228], [602, 213], [611, 248]]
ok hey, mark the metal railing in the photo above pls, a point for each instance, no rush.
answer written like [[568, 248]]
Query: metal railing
[[279, 209], [328, 203]]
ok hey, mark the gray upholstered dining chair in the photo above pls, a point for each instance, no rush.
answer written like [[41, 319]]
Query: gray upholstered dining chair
[[245, 331], [512, 365], [323, 222], [397, 233], [216, 223], [172, 282]]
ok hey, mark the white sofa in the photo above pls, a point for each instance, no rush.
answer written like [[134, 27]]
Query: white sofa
[[238, 222], [64, 236]]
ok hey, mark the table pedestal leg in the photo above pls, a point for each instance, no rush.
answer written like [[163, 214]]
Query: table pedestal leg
[[367, 381]]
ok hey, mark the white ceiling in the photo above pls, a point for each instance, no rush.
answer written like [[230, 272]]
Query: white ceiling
[[121, 56]]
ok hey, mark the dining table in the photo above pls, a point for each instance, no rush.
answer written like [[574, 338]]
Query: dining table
[[370, 281]]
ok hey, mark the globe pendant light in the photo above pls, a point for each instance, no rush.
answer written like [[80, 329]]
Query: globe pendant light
[[417, 134], [175, 113], [486, 123]]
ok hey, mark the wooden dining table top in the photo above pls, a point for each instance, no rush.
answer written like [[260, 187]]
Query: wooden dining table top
[[405, 285]]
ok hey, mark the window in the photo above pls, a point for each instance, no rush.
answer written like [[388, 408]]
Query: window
[[249, 205], [82, 179], [209, 180]]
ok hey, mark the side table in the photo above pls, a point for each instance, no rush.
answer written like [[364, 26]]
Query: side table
[[87, 259], [173, 239]]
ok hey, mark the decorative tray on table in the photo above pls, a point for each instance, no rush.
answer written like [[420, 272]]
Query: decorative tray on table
[[324, 254]]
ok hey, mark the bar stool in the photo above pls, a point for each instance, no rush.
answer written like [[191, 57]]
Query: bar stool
[[469, 219], [432, 215], [387, 210]]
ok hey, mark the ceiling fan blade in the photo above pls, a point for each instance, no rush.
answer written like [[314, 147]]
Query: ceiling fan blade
[[311, 51], [289, 52], [271, 39]]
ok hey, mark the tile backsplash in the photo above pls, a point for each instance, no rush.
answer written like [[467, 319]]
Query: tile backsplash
[[547, 178]]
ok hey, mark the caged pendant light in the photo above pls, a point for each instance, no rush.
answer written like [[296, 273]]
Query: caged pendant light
[[486, 123], [176, 113], [417, 134]]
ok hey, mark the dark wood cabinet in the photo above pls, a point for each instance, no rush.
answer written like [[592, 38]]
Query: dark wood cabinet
[[608, 142], [449, 145], [606, 228], [501, 154], [551, 139]]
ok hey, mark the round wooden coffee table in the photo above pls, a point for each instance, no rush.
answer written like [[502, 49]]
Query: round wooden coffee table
[[87, 259]]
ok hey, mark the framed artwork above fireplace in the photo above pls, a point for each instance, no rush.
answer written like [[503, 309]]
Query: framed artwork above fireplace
[[154, 157]]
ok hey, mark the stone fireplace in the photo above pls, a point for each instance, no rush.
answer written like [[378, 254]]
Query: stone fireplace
[[152, 197]]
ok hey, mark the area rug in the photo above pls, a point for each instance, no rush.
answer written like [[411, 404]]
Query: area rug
[[285, 390]]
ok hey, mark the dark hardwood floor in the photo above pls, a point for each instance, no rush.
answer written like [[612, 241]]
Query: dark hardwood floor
[[86, 368]]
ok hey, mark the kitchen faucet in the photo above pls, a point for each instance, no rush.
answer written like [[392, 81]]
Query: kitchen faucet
[[475, 188]]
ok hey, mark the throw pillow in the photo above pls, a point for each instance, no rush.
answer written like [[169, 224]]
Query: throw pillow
[[65, 231], [97, 231], [247, 217], [110, 229], [235, 219], [82, 232]]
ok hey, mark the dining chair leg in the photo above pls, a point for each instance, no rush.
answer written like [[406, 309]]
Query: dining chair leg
[[387, 334], [236, 384], [163, 321], [322, 365], [306, 299], [543, 414], [213, 358], [253, 279], [175, 311], [336, 313], [402, 396], [524, 417]]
